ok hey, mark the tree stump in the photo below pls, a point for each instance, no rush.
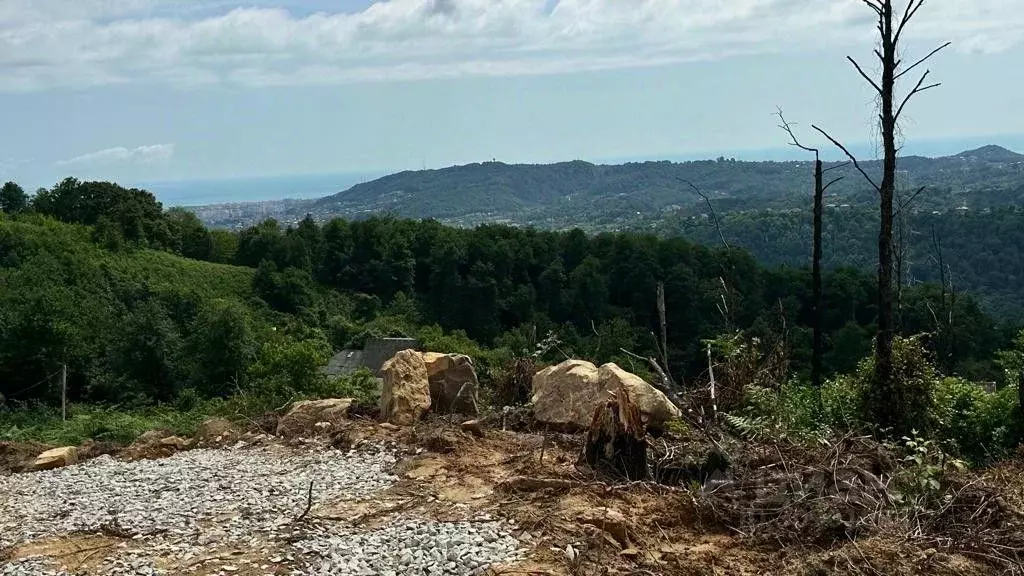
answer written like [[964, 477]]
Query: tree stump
[[617, 439]]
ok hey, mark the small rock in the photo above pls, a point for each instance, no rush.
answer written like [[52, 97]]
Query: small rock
[[56, 458]]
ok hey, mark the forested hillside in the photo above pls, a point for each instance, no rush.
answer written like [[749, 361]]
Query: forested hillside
[[583, 194], [119, 293], [970, 201], [982, 252]]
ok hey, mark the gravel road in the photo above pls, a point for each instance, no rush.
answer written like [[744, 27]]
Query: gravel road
[[183, 508]]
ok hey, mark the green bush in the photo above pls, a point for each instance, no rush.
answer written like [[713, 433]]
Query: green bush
[[361, 386], [958, 415], [109, 424], [798, 411], [979, 425]]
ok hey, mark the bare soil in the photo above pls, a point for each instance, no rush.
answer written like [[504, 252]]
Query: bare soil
[[580, 524]]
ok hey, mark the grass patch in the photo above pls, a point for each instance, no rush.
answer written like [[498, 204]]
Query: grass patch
[[108, 424]]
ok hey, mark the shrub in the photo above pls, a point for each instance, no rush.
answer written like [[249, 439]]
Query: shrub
[[361, 386], [977, 424]]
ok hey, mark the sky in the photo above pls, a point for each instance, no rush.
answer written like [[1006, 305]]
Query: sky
[[165, 90]]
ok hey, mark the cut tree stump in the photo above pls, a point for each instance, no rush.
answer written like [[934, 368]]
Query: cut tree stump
[[617, 439]]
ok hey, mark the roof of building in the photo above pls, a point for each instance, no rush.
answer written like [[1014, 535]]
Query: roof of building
[[374, 354]]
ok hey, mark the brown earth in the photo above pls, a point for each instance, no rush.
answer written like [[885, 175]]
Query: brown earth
[[579, 524]]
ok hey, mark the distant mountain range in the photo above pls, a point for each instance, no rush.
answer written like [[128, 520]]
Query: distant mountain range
[[598, 196]]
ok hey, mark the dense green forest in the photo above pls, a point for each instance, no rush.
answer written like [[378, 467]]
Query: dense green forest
[[143, 304], [982, 252], [146, 308]]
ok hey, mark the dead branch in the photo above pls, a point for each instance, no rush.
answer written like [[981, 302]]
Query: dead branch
[[906, 204], [711, 208], [527, 484], [853, 159], [666, 384], [826, 186], [711, 386], [793, 140], [922, 60], [309, 503], [864, 75], [918, 88], [908, 15], [836, 167]]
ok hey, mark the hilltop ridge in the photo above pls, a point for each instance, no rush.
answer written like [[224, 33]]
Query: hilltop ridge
[[529, 193]]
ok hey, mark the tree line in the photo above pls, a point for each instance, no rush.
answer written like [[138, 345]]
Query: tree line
[[108, 276]]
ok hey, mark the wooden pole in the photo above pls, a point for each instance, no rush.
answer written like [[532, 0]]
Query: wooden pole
[[64, 391]]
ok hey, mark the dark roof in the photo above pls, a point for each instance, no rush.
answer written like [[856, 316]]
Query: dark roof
[[373, 355], [344, 362]]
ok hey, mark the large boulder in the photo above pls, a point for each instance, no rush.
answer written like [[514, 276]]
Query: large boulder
[[151, 445], [655, 407], [405, 392], [453, 383], [565, 396], [215, 431], [56, 458], [152, 436], [305, 415]]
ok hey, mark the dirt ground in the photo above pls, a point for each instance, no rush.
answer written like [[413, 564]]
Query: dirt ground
[[575, 523]]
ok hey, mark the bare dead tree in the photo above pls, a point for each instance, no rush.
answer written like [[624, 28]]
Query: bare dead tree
[[663, 324], [901, 247], [944, 318], [888, 404], [817, 303], [711, 209], [899, 263]]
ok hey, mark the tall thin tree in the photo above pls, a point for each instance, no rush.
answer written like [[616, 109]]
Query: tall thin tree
[[817, 299], [887, 402]]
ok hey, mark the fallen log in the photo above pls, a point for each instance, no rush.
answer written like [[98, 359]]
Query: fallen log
[[617, 439], [527, 484]]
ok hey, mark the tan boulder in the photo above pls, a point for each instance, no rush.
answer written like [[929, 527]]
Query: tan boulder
[[654, 406], [174, 442], [566, 395], [152, 436], [56, 458], [215, 430], [304, 416], [155, 444], [607, 519], [453, 383], [405, 392]]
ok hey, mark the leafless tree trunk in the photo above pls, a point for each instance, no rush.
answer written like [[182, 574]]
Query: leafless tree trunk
[[817, 304], [899, 254], [887, 403], [944, 319], [663, 324]]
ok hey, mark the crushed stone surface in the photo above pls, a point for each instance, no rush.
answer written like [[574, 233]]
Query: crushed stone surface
[[414, 546], [179, 511], [255, 487]]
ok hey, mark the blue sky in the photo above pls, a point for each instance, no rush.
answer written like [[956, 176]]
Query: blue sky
[[147, 90]]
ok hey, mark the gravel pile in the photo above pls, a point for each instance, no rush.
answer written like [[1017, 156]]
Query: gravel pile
[[246, 490], [183, 508], [30, 567], [413, 547]]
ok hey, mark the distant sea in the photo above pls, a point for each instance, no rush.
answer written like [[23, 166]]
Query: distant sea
[[253, 189]]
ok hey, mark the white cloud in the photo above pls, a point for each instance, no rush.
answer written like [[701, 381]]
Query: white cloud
[[47, 43], [120, 156]]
